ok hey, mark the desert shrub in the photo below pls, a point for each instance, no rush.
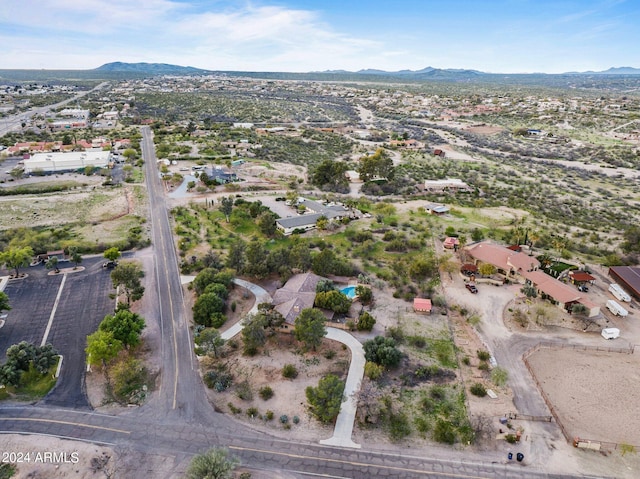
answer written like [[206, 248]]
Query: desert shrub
[[483, 366], [511, 438], [284, 419], [417, 342], [466, 361], [397, 333], [478, 390], [483, 355], [266, 392], [383, 351], [499, 376], [218, 380], [329, 354], [366, 322], [233, 408], [244, 392], [444, 432], [399, 426], [129, 377], [252, 412], [296, 419], [268, 415], [373, 371], [289, 371]]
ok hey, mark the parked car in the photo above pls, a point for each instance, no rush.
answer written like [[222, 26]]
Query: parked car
[[471, 287], [110, 264], [583, 288]]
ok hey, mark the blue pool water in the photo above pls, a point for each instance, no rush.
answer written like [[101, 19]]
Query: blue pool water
[[349, 291]]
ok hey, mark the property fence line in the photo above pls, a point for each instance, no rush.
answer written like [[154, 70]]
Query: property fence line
[[527, 417], [579, 347], [570, 438]]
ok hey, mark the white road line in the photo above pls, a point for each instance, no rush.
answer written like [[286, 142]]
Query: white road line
[[53, 311]]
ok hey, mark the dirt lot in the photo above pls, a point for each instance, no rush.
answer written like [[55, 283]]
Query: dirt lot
[[595, 394]]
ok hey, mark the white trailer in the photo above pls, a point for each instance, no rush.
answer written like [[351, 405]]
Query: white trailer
[[610, 333], [619, 293], [616, 309]]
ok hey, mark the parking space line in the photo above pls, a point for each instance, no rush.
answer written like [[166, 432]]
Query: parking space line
[[53, 311]]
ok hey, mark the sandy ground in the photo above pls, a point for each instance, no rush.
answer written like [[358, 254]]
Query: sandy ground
[[595, 394]]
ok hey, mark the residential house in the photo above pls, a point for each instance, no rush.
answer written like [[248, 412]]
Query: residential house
[[220, 176], [315, 211], [511, 264], [564, 295], [439, 152], [437, 209], [298, 293], [581, 277]]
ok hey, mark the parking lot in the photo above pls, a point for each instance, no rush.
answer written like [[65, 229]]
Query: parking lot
[[73, 303]]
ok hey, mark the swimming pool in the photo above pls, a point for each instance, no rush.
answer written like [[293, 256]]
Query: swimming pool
[[349, 291]]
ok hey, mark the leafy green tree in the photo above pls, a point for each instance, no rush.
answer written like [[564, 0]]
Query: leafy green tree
[[209, 342], [44, 357], [207, 310], [17, 257], [364, 294], [125, 326], [366, 322], [486, 269], [102, 347], [226, 206], [204, 279], [330, 175], [128, 275], [325, 285], [218, 289], [325, 399], [21, 354], [236, 258], [383, 351], [267, 223], [299, 255], [75, 256], [256, 259], [129, 377], [477, 234], [214, 464], [52, 263], [378, 165], [309, 328], [579, 309], [259, 325], [4, 302], [334, 301], [112, 254]]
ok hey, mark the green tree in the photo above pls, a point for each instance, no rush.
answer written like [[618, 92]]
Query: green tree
[[112, 254], [128, 275], [364, 294], [383, 351], [256, 259], [334, 301], [102, 347], [16, 258], [378, 165], [330, 176], [209, 342], [325, 399], [204, 279], [52, 263], [75, 256], [486, 269], [216, 463], [236, 258], [529, 291], [267, 223], [226, 206], [309, 328], [477, 234], [366, 321], [125, 326], [4, 302], [207, 310]]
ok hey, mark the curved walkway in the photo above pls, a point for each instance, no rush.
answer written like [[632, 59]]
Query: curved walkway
[[346, 418]]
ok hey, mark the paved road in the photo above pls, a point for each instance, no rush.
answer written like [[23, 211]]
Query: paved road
[[179, 422], [14, 122]]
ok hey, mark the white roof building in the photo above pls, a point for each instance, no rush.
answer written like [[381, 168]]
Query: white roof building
[[61, 162]]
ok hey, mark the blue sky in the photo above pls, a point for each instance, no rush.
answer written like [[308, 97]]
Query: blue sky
[[502, 36]]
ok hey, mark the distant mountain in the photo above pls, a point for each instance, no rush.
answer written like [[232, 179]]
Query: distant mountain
[[150, 68], [610, 71], [621, 71]]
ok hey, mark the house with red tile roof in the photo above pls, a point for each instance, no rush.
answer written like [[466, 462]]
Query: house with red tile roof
[[422, 305], [511, 264], [562, 294]]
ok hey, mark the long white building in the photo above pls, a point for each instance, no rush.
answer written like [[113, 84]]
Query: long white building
[[70, 161]]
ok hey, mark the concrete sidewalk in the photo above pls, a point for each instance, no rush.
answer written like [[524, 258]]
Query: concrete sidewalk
[[261, 297], [344, 424]]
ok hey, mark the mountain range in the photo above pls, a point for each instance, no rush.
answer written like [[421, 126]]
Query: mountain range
[[424, 73]]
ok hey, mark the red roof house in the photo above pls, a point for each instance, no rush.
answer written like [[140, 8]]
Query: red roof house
[[422, 305]]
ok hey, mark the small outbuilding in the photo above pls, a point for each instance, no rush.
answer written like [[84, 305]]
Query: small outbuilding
[[422, 305]]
